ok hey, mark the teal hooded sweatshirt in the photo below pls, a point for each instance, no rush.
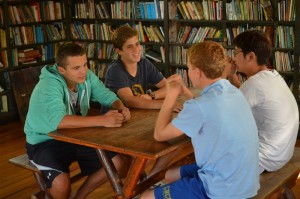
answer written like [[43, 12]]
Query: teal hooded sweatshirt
[[51, 101]]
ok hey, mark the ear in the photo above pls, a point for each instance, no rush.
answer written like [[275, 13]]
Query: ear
[[60, 69], [118, 51], [251, 56], [198, 72]]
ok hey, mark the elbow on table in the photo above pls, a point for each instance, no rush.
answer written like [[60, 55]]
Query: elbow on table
[[157, 136]]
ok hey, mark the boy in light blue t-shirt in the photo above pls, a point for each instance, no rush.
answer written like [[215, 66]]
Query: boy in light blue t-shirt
[[225, 141]]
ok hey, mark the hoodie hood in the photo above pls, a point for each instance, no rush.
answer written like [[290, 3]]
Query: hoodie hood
[[83, 92]]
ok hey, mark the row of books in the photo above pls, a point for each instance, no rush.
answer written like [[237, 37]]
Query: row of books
[[154, 53], [37, 33], [151, 10], [106, 51], [84, 10], [35, 12], [283, 61], [122, 10], [184, 75], [286, 10], [232, 32], [150, 33], [249, 10], [28, 56], [284, 37], [191, 35], [99, 50], [104, 31], [96, 31], [119, 10], [98, 68], [34, 55], [178, 55], [196, 10], [281, 37], [2, 39]]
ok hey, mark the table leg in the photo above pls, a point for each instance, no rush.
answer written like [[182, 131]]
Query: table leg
[[111, 172], [133, 176]]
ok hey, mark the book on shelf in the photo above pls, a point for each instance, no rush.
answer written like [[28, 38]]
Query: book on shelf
[[4, 103], [2, 39], [268, 9], [1, 17], [28, 53], [4, 58], [153, 55]]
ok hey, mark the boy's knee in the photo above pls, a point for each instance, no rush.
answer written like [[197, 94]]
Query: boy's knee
[[148, 194], [62, 183], [124, 164], [172, 175]]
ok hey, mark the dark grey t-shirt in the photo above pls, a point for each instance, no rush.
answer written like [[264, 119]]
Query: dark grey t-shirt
[[117, 76]]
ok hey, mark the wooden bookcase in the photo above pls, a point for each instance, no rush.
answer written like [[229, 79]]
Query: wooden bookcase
[[35, 26], [90, 22]]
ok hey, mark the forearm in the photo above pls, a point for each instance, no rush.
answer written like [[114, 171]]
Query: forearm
[[234, 80], [76, 121], [160, 93], [164, 118], [138, 102], [117, 105], [187, 93]]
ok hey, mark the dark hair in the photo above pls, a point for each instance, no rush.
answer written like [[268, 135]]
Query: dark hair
[[122, 34], [66, 50], [254, 41]]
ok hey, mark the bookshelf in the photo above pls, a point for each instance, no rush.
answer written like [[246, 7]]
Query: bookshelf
[[167, 29], [32, 31], [93, 28], [225, 19]]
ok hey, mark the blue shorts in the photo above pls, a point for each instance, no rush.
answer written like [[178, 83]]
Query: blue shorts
[[189, 186]]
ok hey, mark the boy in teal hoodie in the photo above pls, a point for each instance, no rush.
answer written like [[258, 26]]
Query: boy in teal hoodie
[[61, 100]]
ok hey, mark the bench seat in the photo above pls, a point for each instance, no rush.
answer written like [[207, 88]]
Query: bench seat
[[23, 162], [274, 183]]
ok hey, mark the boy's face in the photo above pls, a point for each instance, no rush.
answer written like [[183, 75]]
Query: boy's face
[[75, 72], [131, 51], [239, 60], [192, 73]]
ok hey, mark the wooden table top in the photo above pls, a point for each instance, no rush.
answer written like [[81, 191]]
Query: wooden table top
[[134, 138]]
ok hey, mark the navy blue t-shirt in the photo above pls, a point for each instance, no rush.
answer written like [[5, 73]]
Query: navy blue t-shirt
[[117, 76]]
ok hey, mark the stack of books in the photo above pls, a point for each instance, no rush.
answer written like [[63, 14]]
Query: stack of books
[[28, 56]]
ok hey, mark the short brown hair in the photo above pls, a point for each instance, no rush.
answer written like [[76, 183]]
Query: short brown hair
[[68, 49], [122, 34], [209, 56]]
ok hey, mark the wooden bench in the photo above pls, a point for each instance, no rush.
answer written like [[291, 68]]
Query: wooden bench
[[275, 184], [23, 162]]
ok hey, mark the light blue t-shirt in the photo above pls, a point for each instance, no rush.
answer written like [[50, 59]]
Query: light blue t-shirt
[[225, 140]]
